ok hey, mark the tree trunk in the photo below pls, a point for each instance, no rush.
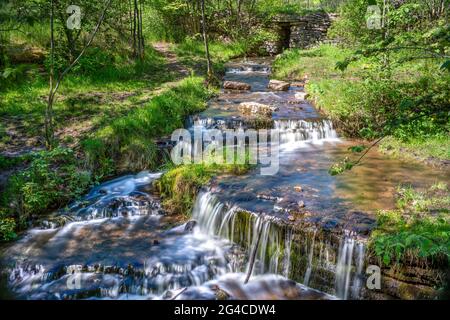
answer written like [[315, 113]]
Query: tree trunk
[[48, 121], [54, 86], [209, 72]]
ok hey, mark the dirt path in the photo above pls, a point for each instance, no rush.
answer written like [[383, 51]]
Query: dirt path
[[172, 61]]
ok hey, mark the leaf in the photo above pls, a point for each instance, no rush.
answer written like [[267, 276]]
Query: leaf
[[357, 148], [445, 65], [386, 259]]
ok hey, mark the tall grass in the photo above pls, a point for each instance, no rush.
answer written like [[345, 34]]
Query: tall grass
[[130, 140]]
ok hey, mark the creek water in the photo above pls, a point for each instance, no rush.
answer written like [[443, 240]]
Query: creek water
[[117, 243]]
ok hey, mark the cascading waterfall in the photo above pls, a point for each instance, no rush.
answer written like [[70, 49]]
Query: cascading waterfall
[[215, 219], [275, 245], [310, 258], [345, 266], [301, 131]]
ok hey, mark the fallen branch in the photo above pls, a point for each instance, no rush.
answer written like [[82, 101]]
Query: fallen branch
[[253, 255]]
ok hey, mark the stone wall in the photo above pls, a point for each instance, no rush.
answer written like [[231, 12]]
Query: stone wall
[[310, 29], [299, 31]]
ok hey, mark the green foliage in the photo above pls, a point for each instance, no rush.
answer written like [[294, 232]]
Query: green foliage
[[52, 179], [179, 185], [418, 230], [7, 227], [129, 140], [341, 166]]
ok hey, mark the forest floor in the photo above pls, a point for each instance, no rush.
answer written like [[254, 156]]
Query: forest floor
[[80, 109], [22, 131]]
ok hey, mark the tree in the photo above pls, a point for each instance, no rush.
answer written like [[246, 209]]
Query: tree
[[54, 85], [209, 72]]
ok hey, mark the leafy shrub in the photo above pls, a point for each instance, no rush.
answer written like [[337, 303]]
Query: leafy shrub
[[418, 230], [7, 227], [52, 179]]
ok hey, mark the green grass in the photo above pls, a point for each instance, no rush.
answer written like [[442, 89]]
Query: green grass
[[179, 185], [129, 140], [51, 179], [418, 231], [364, 104], [431, 148], [191, 52]]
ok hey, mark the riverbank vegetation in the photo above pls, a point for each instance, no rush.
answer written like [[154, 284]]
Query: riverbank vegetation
[[387, 82], [417, 232], [118, 95]]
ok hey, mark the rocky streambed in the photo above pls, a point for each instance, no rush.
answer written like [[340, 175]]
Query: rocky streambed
[[306, 229]]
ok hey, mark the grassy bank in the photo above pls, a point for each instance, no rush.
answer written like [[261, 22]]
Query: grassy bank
[[417, 232], [365, 103], [51, 179], [180, 185], [191, 53]]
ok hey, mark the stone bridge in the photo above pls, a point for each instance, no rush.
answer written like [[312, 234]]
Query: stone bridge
[[296, 31]]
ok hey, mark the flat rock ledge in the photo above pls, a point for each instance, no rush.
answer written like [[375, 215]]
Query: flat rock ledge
[[235, 85], [278, 85], [254, 108]]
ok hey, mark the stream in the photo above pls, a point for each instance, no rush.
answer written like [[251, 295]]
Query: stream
[[311, 227]]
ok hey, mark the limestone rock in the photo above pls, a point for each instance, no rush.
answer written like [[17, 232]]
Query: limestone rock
[[278, 85], [255, 108], [235, 85], [301, 95]]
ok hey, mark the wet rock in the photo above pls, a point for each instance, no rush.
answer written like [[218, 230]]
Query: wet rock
[[298, 188], [301, 204], [269, 198], [278, 85], [254, 108], [301, 95], [297, 84], [219, 293], [190, 226], [235, 85], [156, 242]]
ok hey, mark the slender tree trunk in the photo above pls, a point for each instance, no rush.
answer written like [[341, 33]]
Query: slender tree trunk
[[142, 32], [54, 86], [48, 122], [209, 72], [134, 28]]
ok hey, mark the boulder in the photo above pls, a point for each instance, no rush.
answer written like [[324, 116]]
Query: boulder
[[189, 227], [255, 108], [301, 95], [235, 85], [278, 85]]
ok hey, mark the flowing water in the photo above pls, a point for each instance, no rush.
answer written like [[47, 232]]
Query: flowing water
[[305, 228]]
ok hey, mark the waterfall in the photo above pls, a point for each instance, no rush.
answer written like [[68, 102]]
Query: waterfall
[[345, 266], [275, 245], [300, 131], [215, 219], [310, 258]]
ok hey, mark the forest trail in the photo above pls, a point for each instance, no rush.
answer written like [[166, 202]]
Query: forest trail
[[172, 64]]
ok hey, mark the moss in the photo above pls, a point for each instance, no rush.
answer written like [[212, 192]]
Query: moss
[[180, 185]]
